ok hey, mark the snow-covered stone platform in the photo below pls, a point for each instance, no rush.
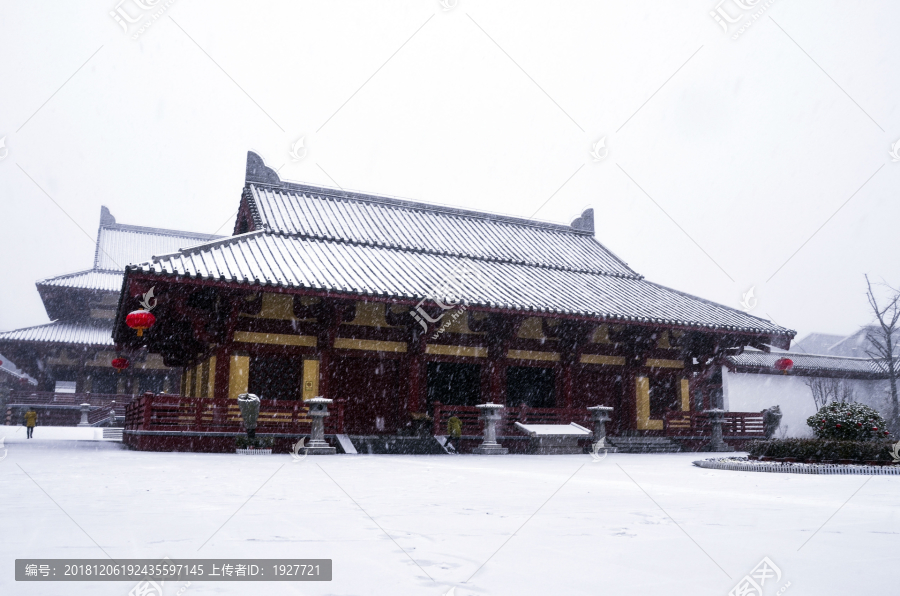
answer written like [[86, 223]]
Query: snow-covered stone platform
[[16, 434], [554, 439], [419, 525]]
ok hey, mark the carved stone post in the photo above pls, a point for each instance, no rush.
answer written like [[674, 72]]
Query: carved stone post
[[490, 415], [600, 414], [318, 410], [249, 406], [85, 409], [716, 442]]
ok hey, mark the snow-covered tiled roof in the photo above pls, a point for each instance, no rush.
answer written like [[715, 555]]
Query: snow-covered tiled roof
[[62, 332], [804, 364], [119, 245], [92, 279], [8, 374], [329, 214], [272, 259]]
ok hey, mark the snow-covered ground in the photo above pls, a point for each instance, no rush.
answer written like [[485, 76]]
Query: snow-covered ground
[[15, 434], [498, 525]]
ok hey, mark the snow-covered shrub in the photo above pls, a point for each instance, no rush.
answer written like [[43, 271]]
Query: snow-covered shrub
[[848, 422]]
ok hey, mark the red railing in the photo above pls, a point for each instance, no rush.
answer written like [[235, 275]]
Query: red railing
[[101, 414], [735, 424], [469, 416], [202, 414], [68, 399]]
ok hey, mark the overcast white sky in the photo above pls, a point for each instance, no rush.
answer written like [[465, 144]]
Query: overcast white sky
[[751, 148]]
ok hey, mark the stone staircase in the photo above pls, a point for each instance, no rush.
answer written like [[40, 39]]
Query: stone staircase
[[643, 444], [112, 433], [395, 445]]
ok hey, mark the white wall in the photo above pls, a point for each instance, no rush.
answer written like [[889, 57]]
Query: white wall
[[746, 392]]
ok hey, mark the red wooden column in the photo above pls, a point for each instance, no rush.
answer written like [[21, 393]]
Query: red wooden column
[[325, 344], [628, 416], [497, 375], [222, 373], [572, 336], [415, 362], [330, 315], [568, 361], [500, 330], [223, 354]]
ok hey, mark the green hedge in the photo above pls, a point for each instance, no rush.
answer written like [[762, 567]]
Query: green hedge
[[254, 443], [822, 449]]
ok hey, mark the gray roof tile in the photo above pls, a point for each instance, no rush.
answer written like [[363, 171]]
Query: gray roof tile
[[280, 260], [377, 221]]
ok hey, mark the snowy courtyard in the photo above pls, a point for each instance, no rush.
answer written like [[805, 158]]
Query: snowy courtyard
[[629, 524]]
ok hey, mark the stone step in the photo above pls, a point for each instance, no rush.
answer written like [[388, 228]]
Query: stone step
[[640, 439], [394, 445], [113, 433], [633, 444]]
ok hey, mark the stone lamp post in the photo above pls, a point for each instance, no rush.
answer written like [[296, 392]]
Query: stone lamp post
[[490, 415], [85, 410], [318, 410], [600, 414], [249, 406], [716, 442]]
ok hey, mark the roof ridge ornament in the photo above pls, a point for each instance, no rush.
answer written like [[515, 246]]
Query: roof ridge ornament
[[585, 222], [106, 218], [258, 171]]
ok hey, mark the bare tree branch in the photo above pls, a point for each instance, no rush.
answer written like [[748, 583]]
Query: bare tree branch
[[881, 345]]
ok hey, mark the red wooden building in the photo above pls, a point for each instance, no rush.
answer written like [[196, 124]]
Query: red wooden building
[[406, 313]]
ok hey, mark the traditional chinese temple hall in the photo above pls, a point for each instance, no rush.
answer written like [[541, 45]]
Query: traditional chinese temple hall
[[406, 314]]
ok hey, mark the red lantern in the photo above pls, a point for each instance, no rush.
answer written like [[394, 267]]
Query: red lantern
[[784, 365], [140, 320], [120, 364]]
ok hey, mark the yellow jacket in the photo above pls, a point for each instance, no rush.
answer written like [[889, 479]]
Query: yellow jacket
[[30, 418], [454, 427]]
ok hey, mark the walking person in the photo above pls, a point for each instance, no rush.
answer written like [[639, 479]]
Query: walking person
[[454, 432], [30, 421]]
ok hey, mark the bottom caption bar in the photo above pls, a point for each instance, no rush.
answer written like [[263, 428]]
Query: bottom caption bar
[[154, 570]]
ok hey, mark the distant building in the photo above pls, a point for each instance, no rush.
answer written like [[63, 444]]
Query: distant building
[[752, 383], [72, 354]]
